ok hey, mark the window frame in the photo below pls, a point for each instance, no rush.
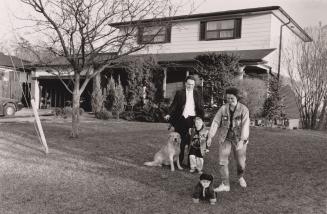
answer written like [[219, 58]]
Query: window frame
[[165, 28], [236, 30]]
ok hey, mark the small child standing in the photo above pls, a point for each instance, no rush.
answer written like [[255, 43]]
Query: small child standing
[[204, 190], [198, 145]]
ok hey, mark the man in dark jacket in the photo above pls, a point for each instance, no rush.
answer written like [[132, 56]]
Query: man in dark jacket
[[186, 105]]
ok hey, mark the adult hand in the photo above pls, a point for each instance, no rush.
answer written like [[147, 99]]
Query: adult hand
[[209, 141], [167, 117], [239, 145]]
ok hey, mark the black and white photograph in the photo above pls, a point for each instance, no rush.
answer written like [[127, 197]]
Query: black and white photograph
[[163, 107]]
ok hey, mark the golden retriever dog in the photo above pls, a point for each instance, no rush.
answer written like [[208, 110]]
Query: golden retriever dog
[[169, 153]]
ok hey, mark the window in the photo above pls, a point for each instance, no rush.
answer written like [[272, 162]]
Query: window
[[154, 34], [220, 29]]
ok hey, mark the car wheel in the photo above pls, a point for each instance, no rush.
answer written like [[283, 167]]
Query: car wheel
[[9, 109]]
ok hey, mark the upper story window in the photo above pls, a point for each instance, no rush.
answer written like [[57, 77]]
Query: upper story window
[[220, 29], [154, 34]]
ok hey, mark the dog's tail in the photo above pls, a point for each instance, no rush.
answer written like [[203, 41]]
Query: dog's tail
[[151, 163]]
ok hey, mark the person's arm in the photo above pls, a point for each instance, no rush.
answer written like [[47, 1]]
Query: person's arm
[[173, 106], [196, 193], [245, 125], [245, 130], [214, 126], [212, 196]]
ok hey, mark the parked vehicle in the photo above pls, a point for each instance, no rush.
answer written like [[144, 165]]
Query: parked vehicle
[[8, 107]]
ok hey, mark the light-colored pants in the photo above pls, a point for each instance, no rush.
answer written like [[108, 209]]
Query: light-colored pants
[[240, 156], [196, 162]]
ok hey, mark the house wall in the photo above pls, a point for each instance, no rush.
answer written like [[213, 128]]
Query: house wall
[[185, 37], [288, 40]]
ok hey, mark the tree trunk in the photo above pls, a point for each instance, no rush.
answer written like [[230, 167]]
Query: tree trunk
[[322, 118], [76, 105]]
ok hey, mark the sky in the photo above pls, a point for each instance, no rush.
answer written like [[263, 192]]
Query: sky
[[304, 12]]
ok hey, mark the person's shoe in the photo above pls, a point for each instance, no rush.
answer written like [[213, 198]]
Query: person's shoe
[[222, 188], [192, 170], [242, 182], [200, 172]]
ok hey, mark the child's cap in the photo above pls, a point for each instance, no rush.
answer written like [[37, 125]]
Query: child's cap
[[207, 177]]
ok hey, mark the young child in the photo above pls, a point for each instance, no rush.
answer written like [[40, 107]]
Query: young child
[[198, 145], [204, 190]]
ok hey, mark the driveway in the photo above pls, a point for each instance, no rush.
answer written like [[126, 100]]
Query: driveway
[[26, 115]]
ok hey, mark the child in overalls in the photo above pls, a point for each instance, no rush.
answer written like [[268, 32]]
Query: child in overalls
[[198, 145]]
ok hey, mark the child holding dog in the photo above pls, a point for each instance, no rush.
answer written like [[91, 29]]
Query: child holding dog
[[198, 145]]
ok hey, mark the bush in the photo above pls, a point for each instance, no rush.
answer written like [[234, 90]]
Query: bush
[[66, 112], [119, 101], [57, 111], [97, 100], [110, 94], [150, 112], [217, 72], [103, 115]]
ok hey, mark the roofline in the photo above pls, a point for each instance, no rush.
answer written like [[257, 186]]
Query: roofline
[[244, 12], [292, 21], [199, 15]]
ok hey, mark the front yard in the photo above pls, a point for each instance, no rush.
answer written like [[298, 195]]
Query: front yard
[[103, 172]]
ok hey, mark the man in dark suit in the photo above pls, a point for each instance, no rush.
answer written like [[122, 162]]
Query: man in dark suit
[[186, 105]]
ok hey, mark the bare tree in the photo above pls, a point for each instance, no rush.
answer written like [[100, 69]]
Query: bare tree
[[254, 93], [307, 68], [81, 31]]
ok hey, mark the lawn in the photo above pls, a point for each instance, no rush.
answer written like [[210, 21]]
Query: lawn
[[103, 172]]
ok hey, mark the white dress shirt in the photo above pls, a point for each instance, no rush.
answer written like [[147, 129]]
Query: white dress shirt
[[189, 109]]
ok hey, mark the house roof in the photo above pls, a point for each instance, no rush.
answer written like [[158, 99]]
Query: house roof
[[245, 56], [10, 61], [288, 96], [275, 10], [62, 60]]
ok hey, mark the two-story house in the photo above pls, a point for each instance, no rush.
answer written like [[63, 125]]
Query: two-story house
[[254, 35]]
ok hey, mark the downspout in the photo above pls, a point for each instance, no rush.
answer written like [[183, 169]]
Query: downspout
[[280, 47]]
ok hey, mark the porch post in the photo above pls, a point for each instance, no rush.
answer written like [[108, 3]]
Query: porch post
[[164, 85]]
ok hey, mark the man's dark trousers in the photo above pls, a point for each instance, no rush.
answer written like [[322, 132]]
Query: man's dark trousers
[[182, 127]]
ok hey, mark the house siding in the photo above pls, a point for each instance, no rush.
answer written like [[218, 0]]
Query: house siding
[[185, 37], [288, 40]]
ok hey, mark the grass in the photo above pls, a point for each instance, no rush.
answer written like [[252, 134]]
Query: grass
[[103, 172]]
